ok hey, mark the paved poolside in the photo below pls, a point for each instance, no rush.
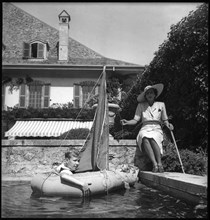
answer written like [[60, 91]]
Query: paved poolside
[[186, 186]]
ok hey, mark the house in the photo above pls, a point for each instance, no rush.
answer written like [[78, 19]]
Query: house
[[62, 69]]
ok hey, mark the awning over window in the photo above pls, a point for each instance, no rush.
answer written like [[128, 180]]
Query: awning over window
[[39, 128]]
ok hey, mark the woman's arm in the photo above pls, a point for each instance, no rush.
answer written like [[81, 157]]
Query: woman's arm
[[164, 118], [136, 118], [128, 122]]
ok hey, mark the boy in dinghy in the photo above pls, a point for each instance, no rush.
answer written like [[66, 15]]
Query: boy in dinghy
[[67, 169]]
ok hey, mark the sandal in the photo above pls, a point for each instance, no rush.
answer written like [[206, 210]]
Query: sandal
[[155, 169], [160, 169]]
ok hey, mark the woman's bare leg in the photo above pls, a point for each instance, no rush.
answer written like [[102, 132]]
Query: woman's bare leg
[[148, 149], [156, 151]]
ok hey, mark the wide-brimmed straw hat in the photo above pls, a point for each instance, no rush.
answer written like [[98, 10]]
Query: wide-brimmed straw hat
[[158, 87]]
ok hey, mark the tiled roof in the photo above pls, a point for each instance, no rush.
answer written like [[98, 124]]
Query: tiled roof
[[19, 26]]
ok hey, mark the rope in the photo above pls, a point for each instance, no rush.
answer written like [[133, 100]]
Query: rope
[[106, 179], [45, 181]]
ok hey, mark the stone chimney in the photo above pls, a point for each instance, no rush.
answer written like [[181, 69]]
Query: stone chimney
[[64, 19]]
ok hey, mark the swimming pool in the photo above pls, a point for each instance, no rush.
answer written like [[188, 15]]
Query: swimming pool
[[137, 202]]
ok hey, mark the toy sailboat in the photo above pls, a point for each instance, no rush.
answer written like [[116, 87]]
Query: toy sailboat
[[94, 161]]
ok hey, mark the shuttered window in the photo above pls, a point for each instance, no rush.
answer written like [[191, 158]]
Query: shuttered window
[[86, 91], [22, 102], [40, 53], [35, 50], [3, 97], [36, 95], [26, 50], [82, 94], [76, 96], [46, 96]]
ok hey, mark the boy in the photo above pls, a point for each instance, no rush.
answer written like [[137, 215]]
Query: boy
[[66, 170]]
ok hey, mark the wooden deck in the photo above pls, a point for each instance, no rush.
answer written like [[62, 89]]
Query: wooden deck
[[191, 188]]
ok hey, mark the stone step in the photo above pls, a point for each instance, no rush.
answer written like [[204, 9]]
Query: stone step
[[192, 188]]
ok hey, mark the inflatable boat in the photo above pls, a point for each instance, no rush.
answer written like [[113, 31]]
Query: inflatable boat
[[100, 182]]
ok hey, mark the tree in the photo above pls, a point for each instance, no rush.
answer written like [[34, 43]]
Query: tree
[[14, 83], [181, 64]]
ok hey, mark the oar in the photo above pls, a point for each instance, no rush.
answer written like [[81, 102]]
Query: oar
[[177, 150]]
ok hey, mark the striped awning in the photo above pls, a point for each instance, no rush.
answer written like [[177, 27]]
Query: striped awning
[[43, 128]]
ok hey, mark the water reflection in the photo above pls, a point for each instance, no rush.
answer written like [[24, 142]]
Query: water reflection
[[138, 202]]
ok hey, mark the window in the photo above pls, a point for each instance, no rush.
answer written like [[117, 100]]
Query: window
[[82, 91], [22, 101], [46, 96], [36, 95], [35, 50], [86, 91], [76, 96]]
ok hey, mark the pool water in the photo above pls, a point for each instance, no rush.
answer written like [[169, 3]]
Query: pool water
[[136, 202]]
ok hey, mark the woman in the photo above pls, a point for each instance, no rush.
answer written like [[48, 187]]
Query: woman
[[152, 114]]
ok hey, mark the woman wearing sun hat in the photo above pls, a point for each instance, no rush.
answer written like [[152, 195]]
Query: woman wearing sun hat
[[152, 114]]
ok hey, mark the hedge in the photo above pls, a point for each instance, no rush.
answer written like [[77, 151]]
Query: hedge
[[75, 134]]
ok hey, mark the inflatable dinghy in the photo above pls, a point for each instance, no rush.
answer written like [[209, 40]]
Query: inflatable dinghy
[[100, 182]]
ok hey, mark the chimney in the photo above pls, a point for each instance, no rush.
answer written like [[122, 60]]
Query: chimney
[[64, 19]]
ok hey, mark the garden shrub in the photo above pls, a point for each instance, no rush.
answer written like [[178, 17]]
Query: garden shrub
[[193, 162], [75, 134], [70, 113]]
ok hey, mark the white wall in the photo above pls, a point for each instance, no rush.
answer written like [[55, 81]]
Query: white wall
[[11, 99]]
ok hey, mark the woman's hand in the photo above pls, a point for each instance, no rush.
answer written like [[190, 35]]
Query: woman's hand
[[124, 122], [170, 126]]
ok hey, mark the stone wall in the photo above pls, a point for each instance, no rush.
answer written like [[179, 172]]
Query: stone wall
[[28, 160]]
